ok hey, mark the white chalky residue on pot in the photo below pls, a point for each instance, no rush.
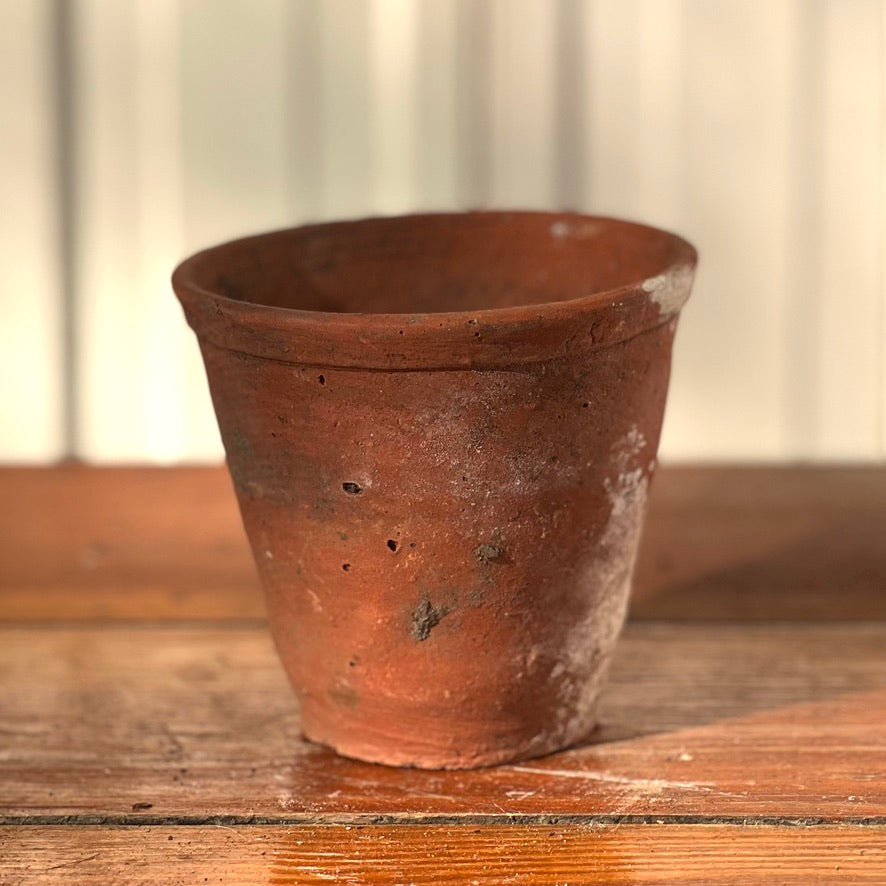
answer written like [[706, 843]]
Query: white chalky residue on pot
[[590, 642], [671, 289]]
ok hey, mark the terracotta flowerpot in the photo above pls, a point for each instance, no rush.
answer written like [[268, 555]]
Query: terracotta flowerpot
[[441, 430]]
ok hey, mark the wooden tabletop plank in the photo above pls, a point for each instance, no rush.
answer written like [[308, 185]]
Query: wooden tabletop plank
[[131, 543], [166, 544], [138, 687], [710, 720], [713, 855], [764, 543]]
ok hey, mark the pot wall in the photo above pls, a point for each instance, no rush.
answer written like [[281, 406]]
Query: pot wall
[[461, 607]]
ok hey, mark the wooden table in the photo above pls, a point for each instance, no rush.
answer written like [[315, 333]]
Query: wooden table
[[147, 733]]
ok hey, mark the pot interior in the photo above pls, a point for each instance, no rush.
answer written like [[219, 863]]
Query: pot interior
[[439, 263]]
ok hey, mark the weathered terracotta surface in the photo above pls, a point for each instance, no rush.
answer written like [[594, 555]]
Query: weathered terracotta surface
[[441, 430]]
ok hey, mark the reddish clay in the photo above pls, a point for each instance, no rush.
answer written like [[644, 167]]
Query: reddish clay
[[441, 430]]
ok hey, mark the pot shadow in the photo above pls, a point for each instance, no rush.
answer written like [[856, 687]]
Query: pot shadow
[[668, 676]]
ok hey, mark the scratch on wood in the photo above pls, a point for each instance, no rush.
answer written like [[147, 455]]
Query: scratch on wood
[[227, 827], [70, 864]]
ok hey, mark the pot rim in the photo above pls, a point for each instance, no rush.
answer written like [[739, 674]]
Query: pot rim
[[479, 338]]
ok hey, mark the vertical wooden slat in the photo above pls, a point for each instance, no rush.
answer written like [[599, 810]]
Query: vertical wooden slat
[[850, 342], [142, 394], [179, 424], [31, 350], [633, 65], [803, 297], [302, 109], [570, 106], [660, 114], [393, 61], [109, 344], [611, 65], [882, 262], [436, 115], [135, 361], [474, 102], [524, 145], [160, 226], [235, 113], [345, 118], [727, 397]]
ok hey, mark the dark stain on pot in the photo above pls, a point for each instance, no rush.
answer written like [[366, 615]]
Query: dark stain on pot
[[486, 553], [323, 508], [352, 488], [425, 618], [480, 432], [229, 288], [240, 454], [392, 545], [343, 695]]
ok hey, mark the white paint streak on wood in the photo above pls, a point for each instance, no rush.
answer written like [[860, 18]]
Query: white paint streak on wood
[[645, 785]]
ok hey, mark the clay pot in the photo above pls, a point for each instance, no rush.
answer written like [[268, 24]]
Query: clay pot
[[441, 430]]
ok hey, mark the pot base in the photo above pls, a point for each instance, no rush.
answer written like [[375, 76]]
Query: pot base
[[412, 758], [408, 753]]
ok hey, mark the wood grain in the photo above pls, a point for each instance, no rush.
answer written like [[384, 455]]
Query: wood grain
[[680, 854], [142, 725], [166, 544]]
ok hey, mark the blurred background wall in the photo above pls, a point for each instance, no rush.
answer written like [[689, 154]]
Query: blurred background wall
[[135, 131]]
